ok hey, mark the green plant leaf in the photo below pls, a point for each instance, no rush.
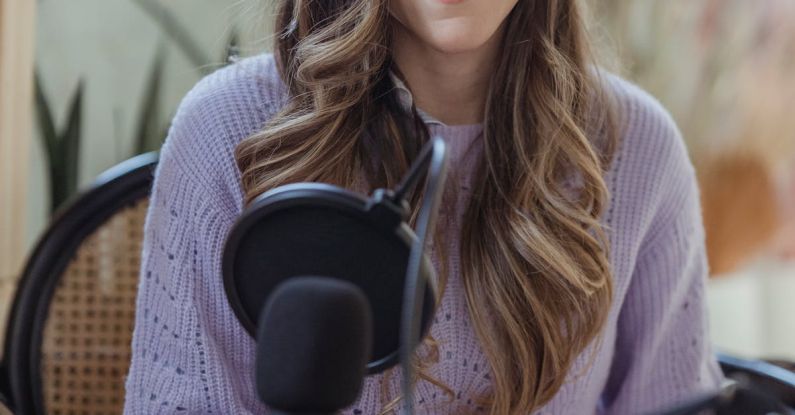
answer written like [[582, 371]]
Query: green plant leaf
[[149, 135], [44, 113], [69, 143], [56, 148], [171, 26], [232, 50]]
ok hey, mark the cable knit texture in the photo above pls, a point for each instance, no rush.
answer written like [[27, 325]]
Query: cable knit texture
[[190, 354]]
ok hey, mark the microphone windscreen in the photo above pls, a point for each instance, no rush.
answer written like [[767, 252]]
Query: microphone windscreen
[[329, 241], [313, 342]]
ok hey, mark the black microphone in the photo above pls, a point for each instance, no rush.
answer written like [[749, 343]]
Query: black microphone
[[313, 343]]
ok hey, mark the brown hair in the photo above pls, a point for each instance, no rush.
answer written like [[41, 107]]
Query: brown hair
[[534, 254]]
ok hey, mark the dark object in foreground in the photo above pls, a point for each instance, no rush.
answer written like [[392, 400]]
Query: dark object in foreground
[[753, 388], [313, 343]]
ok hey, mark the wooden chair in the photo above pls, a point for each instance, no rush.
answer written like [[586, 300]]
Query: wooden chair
[[67, 346]]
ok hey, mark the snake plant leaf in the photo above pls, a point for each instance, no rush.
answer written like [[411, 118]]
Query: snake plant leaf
[[232, 50], [61, 148], [150, 135], [44, 114], [175, 30], [50, 140], [69, 143]]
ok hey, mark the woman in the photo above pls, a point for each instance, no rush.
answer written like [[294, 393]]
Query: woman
[[571, 247]]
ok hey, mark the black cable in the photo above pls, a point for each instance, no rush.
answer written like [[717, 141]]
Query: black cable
[[434, 156]]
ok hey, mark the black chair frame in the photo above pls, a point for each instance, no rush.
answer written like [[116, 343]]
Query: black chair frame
[[116, 188], [775, 380]]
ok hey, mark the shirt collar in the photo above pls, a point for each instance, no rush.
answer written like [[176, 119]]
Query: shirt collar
[[406, 99]]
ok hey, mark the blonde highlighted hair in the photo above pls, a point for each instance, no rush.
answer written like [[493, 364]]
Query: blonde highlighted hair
[[534, 256]]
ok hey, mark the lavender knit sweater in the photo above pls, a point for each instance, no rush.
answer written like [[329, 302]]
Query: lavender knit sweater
[[190, 355]]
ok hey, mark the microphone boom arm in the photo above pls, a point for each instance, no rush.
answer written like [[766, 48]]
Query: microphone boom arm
[[432, 157]]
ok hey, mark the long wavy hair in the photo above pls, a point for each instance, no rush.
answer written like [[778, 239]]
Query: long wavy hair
[[534, 255]]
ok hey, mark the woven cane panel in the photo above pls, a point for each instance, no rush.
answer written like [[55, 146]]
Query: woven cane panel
[[86, 342]]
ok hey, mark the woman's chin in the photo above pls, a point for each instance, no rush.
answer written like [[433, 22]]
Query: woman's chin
[[454, 40]]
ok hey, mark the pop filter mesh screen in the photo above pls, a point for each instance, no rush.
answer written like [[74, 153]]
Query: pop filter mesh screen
[[330, 242]]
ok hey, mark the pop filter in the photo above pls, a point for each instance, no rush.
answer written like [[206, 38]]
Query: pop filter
[[319, 229]]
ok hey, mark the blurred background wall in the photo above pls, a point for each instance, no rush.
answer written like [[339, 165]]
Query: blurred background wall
[[725, 69], [16, 72], [112, 47], [111, 73]]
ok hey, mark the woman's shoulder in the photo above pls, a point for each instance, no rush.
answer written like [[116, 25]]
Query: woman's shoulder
[[652, 178], [232, 101], [252, 81], [644, 124], [650, 144], [220, 111]]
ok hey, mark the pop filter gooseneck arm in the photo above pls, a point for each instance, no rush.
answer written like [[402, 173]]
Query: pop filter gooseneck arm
[[433, 157], [430, 153]]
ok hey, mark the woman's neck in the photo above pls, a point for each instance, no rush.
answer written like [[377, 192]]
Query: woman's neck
[[451, 87]]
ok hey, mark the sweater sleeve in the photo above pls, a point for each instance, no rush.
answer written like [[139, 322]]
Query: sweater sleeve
[[663, 354], [189, 353]]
